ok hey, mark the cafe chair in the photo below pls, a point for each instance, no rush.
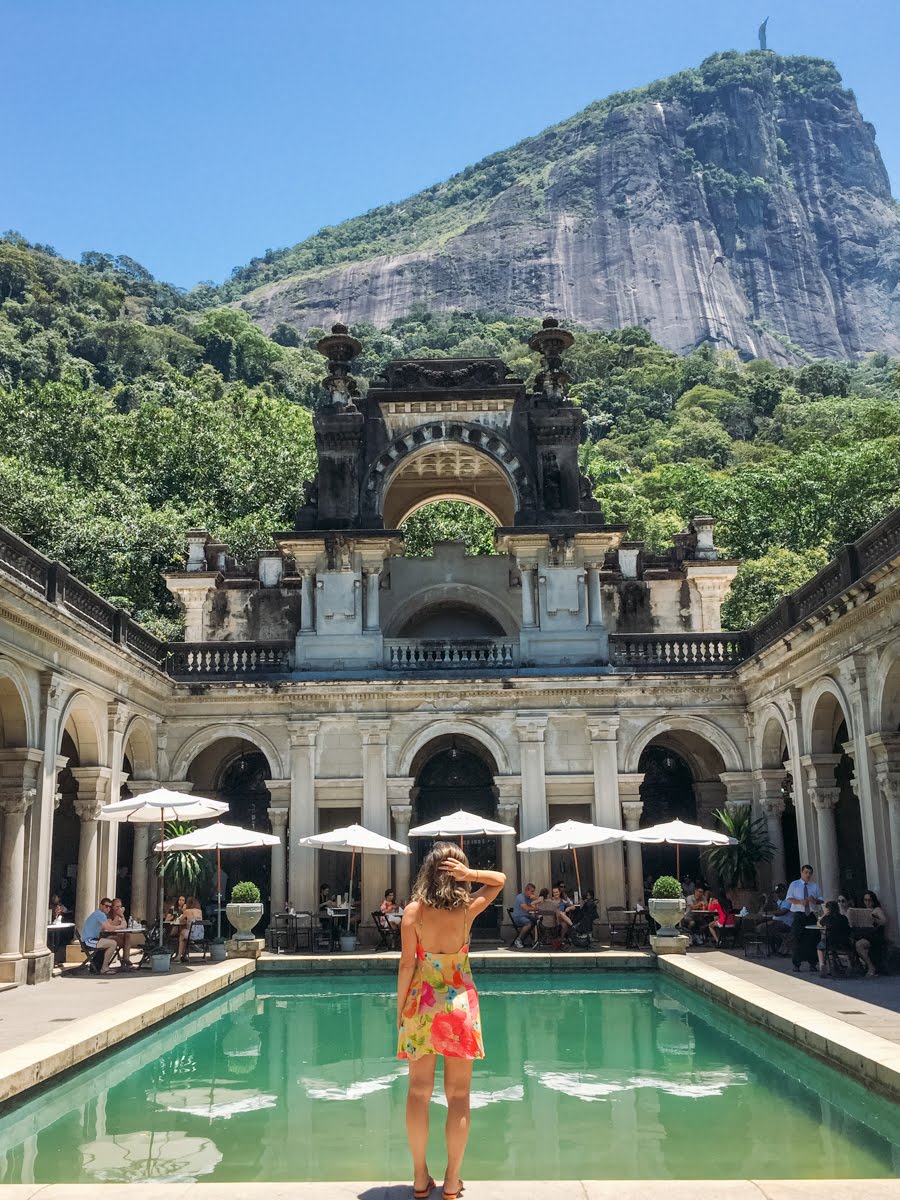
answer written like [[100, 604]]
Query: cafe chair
[[197, 939], [548, 932], [617, 918], [388, 933], [279, 939], [844, 960]]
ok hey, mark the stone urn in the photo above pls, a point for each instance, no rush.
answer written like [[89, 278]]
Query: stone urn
[[667, 914], [243, 918]]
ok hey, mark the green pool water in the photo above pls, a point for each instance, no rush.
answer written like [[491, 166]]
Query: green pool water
[[623, 1076]]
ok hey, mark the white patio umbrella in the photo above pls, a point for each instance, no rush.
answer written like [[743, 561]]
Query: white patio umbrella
[[221, 837], [570, 835], [678, 834], [161, 805], [147, 1155], [462, 824], [355, 839]]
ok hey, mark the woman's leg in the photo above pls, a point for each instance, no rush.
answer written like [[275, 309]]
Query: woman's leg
[[821, 954], [457, 1085], [418, 1098]]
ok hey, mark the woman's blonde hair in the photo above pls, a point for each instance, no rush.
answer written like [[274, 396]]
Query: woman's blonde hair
[[438, 888]]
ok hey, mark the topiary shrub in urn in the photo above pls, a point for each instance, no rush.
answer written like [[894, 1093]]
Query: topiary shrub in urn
[[667, 905], [244, 911]]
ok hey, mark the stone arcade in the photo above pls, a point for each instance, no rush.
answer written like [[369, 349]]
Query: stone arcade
[[572, 674]]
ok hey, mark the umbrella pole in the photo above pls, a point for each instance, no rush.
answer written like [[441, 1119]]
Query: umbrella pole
[[678, 862], [577, 874], [162, 880], [350, 893], [219, 893]]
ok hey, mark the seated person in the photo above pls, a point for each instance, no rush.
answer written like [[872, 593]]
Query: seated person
[[874, 938], [523, 916], [189, 914], [696, 902], [390, 908], [112, 936], [724, 916], [549, 917], [835, 932], [90, 930], [57, 909], [566, 900], [565, 921]]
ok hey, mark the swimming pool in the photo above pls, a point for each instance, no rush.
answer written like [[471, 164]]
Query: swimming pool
[[619, 1076]]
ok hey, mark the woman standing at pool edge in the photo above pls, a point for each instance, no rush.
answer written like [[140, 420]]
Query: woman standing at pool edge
[[437, 1004]]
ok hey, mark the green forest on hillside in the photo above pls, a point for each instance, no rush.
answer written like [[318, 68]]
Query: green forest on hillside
[[129, 413]]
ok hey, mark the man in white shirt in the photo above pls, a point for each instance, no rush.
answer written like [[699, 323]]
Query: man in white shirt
[[804, 897]]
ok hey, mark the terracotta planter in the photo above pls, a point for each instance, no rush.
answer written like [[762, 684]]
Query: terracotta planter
[[667, 914], [243, 917]]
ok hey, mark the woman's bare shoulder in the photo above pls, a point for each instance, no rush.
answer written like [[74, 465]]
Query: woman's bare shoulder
[[412, 911]]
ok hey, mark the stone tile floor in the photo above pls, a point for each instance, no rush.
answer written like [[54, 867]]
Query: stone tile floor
[[29, 1012]]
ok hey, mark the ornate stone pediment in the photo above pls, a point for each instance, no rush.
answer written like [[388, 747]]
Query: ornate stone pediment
[[440, 374]]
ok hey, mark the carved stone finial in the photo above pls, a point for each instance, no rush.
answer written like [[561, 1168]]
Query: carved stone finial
[[551, 342], [340, 348]]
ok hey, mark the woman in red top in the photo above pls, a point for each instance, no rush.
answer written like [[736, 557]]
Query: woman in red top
[[724, 916]]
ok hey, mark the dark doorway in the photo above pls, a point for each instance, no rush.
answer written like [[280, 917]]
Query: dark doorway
[[451, 779], [668, 795], [243, 787], [848, 824], [789, 833]]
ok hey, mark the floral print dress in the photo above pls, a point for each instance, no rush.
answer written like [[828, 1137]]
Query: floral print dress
[[441, 1014]]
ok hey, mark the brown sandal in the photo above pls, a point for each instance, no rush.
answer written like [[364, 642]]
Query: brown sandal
[[453, 1195], [424, 1193]]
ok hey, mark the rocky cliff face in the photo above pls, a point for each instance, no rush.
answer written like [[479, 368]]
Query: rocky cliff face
[[743, 204]]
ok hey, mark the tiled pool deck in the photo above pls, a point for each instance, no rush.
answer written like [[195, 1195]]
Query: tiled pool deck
[[46, 1031]]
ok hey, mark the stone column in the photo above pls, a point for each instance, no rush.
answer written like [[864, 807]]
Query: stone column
[[143, 859], [302, 822], [278, 817], [534, 818], [769, 785], [375, 868], [508, 814], [402, 816], [117, 722], [634, 856], [595, 606], [373, 599], [609, 866], [824, 795], [40, 834], [885, 748], [307, 616], [93, 789], [527, 571], [18, 789]]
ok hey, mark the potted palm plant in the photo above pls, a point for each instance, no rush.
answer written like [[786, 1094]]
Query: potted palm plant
[[182, 872], [244, 910], [738, 866]]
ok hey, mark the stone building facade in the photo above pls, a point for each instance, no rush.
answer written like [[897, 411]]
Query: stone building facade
[[570, 675]]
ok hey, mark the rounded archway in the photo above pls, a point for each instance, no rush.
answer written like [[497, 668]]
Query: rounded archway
[[890, 698], [235, 769], [452, 772], [15, 723], [450, 469]]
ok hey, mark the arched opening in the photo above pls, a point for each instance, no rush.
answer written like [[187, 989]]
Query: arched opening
[[448, 471], [890, 700], [66, 828], [448, 521], [446, 619], [774, 752], [233, 769], [13, 719], [453, 772], [681, 782], [848, 823]]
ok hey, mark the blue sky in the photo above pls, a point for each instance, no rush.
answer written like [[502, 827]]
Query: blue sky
[[192, 136]]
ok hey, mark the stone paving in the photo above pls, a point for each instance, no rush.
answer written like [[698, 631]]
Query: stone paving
[[534, 1189]]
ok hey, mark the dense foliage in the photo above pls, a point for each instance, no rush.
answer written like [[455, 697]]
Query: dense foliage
[[128, 414], [428, 218]]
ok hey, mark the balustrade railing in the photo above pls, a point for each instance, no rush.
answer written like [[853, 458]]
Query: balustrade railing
[[676, 651], [433, 654], [228, 660]]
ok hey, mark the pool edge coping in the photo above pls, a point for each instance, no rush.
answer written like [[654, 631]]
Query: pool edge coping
[[39, 1059], [871, 1060]]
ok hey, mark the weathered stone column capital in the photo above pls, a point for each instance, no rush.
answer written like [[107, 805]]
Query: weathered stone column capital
[[630, 786], [509, 789], [399, 789], [303, 733], [278, 816], [772, 806], [889, 782], [531, 728], [118, 716], [602, 729], [824, 798], [16, 800], [374, 730], [279, 792], [402, 816], [93, 783], [508, 812], [632, 811], [885, 748]]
